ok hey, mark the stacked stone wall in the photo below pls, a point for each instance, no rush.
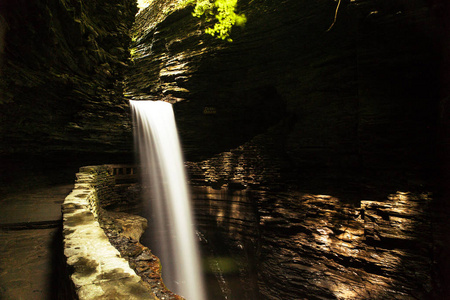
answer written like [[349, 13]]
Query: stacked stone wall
[[97, 269], [102, 181]]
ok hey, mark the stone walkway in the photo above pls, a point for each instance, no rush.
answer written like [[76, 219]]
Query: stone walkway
[[31, 257]]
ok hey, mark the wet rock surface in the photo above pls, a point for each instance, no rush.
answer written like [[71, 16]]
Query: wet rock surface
[[382, 250], [293, 245], [130, 226], [142, 261], [290, 244]]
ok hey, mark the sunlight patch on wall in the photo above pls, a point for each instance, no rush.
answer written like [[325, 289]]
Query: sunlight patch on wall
[[143, 4]]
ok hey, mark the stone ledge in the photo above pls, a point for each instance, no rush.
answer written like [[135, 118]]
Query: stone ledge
[[98, 270]]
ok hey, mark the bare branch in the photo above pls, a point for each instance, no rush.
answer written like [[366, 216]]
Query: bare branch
[[335, 16]]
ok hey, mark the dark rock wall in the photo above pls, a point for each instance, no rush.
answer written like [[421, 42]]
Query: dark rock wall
[[298, 113], [294, 243], [61, 76], [326, 249], [363, 95]]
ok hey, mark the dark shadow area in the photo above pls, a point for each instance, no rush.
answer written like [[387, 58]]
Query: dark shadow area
[[228, 118], [27, 171], [61, 286], [227, 222]]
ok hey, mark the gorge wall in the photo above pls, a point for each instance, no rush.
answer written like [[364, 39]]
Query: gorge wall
[[290, 126], [62, 75], [361, 96], [285, 105], [364, 95]]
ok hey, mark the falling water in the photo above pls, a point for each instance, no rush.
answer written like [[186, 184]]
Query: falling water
[[172, 232]]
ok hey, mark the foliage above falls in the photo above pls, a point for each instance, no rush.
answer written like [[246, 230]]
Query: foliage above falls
[[224, 11]]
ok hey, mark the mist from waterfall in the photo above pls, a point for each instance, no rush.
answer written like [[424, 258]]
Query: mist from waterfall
[[171, 232]]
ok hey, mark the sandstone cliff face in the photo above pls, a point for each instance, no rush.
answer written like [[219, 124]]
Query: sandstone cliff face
[[61, 75], [363, 94]]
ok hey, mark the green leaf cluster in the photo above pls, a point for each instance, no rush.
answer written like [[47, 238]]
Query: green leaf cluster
[[224, 13]]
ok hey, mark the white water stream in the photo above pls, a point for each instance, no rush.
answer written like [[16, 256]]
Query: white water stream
[[169, 212]]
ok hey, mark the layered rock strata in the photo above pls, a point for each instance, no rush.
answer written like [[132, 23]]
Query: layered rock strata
[[319, 248], [140, 258], [294, 242], [360, 97], [61, 76], [293, 245]]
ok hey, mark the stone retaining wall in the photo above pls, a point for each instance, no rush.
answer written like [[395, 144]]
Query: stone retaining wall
[[97, 269]]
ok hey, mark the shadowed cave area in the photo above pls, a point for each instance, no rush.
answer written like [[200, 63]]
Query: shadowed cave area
[[316, 154]]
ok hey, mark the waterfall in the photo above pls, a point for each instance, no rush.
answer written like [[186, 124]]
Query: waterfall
[[171, 230]]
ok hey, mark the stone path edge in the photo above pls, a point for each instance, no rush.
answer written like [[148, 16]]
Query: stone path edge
[[97, 269]]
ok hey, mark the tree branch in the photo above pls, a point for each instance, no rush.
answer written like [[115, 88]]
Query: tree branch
[[335, 16]]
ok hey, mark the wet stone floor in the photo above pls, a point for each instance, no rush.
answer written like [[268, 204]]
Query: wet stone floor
[[24, 260], [32, 265]]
